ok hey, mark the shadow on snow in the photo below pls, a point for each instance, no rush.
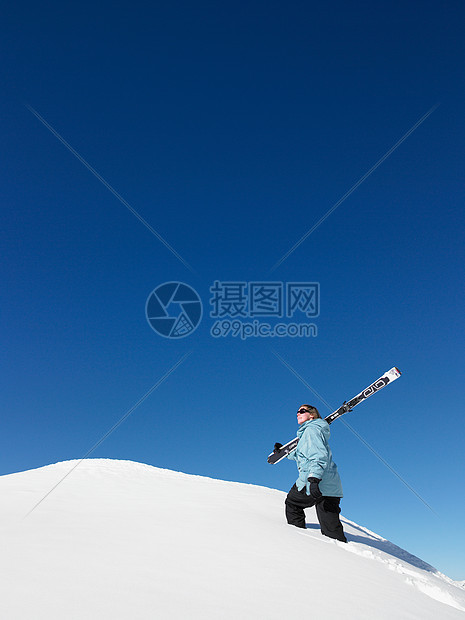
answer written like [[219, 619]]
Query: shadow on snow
[[382, 545]]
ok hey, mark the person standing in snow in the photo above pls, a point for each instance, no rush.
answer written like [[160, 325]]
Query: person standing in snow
[[318, 483]]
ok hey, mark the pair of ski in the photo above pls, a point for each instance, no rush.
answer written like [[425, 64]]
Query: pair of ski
[[388, 377]]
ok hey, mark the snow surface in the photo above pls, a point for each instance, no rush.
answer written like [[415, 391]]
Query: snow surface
[[118, 539]]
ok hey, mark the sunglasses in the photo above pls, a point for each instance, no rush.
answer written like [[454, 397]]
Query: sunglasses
[[304, 411]]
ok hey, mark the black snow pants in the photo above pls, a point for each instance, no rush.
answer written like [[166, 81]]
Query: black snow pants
[[327, 511]]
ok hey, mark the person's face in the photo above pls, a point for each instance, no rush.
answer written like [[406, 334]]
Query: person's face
[[303, 415]]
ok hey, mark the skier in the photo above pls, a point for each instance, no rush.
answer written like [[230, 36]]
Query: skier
[[318, 482]]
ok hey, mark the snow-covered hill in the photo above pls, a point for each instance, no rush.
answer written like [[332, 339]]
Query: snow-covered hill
[[123, 540]]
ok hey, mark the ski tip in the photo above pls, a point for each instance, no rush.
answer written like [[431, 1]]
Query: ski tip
[[394, 373]]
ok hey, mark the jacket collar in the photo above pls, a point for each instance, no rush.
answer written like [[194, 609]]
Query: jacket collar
[[303, 426]]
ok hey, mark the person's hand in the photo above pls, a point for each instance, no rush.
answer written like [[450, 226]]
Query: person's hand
[[277, 447], [314, 490]]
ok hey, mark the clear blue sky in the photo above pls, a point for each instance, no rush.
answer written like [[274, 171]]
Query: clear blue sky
[[232, 129]]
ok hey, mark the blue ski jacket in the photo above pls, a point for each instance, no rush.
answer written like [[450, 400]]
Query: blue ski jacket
[[314, 458]]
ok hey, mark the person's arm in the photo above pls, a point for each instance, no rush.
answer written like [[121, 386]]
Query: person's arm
[[312, 445], [318, 454], [305, 450]]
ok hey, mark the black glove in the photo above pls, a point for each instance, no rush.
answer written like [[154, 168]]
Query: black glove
[[315, 488], [277, 447]]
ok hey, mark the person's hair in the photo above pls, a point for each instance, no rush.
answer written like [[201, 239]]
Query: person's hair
[[313, 410]]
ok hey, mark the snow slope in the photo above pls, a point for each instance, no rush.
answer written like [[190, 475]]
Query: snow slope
[[123, 540]]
